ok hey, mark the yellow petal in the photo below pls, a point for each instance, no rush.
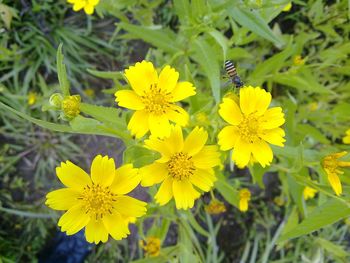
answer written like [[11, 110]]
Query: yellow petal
[[73, 220], [96, 232], [262, 152], [228, 137], [184, 194], [141, 76], [138, 124], [129, 206], [126, 179], [207, 158], [178, 115], [160, 146], [78, 5], [129, 99], [274, 136], [103, 170], [153, 174], [272, 118], [230, 111], [93, 2], [254, 100], [165, 192], [203, 179], [175, 141], [72, 175], [243, 205], [159, 125], [168, 78], [241, 153], [195, 141], [62, 199], [335, 183], [89, 9], [116, 226], [346, 139], [182, 91]]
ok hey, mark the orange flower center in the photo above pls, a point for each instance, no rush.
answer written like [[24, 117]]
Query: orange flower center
[[248, 128], [156, 101], [97, 200], [180, 166]]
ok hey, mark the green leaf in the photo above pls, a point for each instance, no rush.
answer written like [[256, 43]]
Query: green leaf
[[328, 213], [182, 9], [138, 155], [230, 194], [205, 56], [62, 72], [257, 172], [106, 74], [163, 39], [252, 20], [221, 40], [292, 221], [332, 248], [6, 15], [193, 222]]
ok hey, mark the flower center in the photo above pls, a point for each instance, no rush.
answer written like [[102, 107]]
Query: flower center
[[248, 128], [97, 200], [180, 166], [156, 101]]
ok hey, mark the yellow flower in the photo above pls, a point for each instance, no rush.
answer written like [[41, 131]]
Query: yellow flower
[[215, 207], [331, 165], [32, 97], [346, 138], [88, 5], [153, 97], [298, 61], [287, 7], [71, 106], [313, 106], [244, 198], [309, 192], [183, 163], [97, 203], [89, 92], [151, 246], [251, 127]]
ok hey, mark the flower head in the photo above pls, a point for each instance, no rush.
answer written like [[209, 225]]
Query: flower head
[[183, 164], [97, 203], [251, 127], [32, 98], [71, 106], [287, 7], [215, 207], [309, 192], [346, 138], [331, 166], [151, 246], [88, 5], [244, 198], [298, 61], [153, 98]]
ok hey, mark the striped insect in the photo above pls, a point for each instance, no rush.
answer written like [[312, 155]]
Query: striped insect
[[232, 72]]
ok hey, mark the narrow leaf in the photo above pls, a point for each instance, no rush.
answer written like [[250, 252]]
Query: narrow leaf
[[62, 72]]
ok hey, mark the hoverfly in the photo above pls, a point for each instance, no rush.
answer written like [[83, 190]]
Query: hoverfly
[[232, 73]]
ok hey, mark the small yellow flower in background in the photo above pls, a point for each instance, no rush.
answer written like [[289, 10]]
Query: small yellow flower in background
[[251, 127], [88, 5], [244, 198], [309, 193], [97, 203], [287, 7], [332, 167], [183, 163], [298, 61], [89, 92], [313, 106], [153, 98], [346, 138], [279, 201], [71, 106], [32, 98], [215, 207], [233, 96], [151, 246], [202, 118]]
